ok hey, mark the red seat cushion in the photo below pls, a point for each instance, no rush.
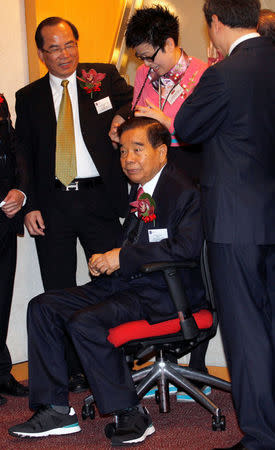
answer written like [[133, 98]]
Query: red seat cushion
[[139, 329]]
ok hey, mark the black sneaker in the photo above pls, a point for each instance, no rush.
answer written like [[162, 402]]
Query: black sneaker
[[133, 426], [45, 422], [78, 383]]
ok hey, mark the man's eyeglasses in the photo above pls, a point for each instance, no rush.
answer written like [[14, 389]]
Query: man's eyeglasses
[[58, 50], [149, 58]]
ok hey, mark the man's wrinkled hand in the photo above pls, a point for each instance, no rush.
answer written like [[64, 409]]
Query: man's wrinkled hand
[[13, 203], [35, 223], [108, 262]]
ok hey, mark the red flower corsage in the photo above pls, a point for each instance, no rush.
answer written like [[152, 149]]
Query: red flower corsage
[[91, 81], [1, 98], [145, 207]]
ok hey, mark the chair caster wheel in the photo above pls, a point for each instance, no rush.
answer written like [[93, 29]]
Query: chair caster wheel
[[88, 411], [157, 398], [218, 423], [110, 430]]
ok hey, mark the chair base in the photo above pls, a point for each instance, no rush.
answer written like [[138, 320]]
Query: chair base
[[163, 372]]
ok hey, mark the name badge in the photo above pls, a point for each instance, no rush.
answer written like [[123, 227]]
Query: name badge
[[156, 235], [176, 92], [103, 105]]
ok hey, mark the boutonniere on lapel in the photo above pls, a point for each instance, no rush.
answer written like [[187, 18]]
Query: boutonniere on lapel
[[145, 207], [1, 98], [91, 81]]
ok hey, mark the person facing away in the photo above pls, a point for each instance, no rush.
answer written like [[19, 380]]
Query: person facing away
[[13, 190], [118, 293], [77, 187], [232, 113]]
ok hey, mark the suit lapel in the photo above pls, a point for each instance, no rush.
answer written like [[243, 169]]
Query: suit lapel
[[47, 120], [87, 116], [160, 194], [46, 105]]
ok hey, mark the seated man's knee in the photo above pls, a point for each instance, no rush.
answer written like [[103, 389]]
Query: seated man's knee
[[39, 303]]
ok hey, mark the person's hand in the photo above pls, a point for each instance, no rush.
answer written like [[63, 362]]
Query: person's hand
[[35, 223], [13, 203], [154, 112], [108, 262], [117, 120]]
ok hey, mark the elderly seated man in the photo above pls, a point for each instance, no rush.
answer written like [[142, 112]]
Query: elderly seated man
[[163, 224]]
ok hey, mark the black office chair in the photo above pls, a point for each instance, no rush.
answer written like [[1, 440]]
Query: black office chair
[[169, 341]]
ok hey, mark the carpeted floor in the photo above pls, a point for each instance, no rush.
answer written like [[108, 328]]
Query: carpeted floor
[[187, 426]]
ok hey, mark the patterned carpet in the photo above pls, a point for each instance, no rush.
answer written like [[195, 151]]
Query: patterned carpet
[[187, 426]]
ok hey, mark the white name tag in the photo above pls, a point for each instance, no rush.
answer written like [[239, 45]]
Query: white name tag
[[156, 235], [103, 105], [176, 92]]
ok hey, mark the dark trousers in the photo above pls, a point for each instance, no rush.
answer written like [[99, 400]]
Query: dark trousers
[[244, 285], [86, 313], [72, 215], [7, 271]]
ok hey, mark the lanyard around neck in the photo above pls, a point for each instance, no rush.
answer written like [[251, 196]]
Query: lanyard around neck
[[161, 106]]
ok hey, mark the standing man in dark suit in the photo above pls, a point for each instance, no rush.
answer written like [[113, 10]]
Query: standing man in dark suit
[[169, 228], [13, 189], [85, 199], [232, 111]]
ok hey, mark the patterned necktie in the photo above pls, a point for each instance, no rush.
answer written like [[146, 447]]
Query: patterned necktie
[[65, 156], [135, 225], [140, 191]]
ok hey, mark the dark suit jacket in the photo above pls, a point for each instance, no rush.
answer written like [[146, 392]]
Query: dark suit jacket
[[36, 127], [13, 172], [232, 112], [177, 210]]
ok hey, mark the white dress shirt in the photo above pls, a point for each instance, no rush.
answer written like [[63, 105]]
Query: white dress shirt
[[85, 165], [149, 187], [242, 39]]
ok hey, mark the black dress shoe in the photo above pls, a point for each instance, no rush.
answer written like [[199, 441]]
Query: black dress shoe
[[12, 387], [78, 383], [3, 400], [238, 446]]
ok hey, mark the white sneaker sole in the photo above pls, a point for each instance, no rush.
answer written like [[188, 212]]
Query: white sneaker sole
[[150, 430], [54, 432]]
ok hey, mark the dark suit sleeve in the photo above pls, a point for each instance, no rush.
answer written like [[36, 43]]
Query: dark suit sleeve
[[122, 94], [205, 110], [21, 164], [24, 138], [184, 237]]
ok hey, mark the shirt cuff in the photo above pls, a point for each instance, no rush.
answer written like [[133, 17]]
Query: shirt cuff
[[25, 197]]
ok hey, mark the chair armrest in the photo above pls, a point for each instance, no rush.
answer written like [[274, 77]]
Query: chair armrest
[[154, 267], [177, 292]]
